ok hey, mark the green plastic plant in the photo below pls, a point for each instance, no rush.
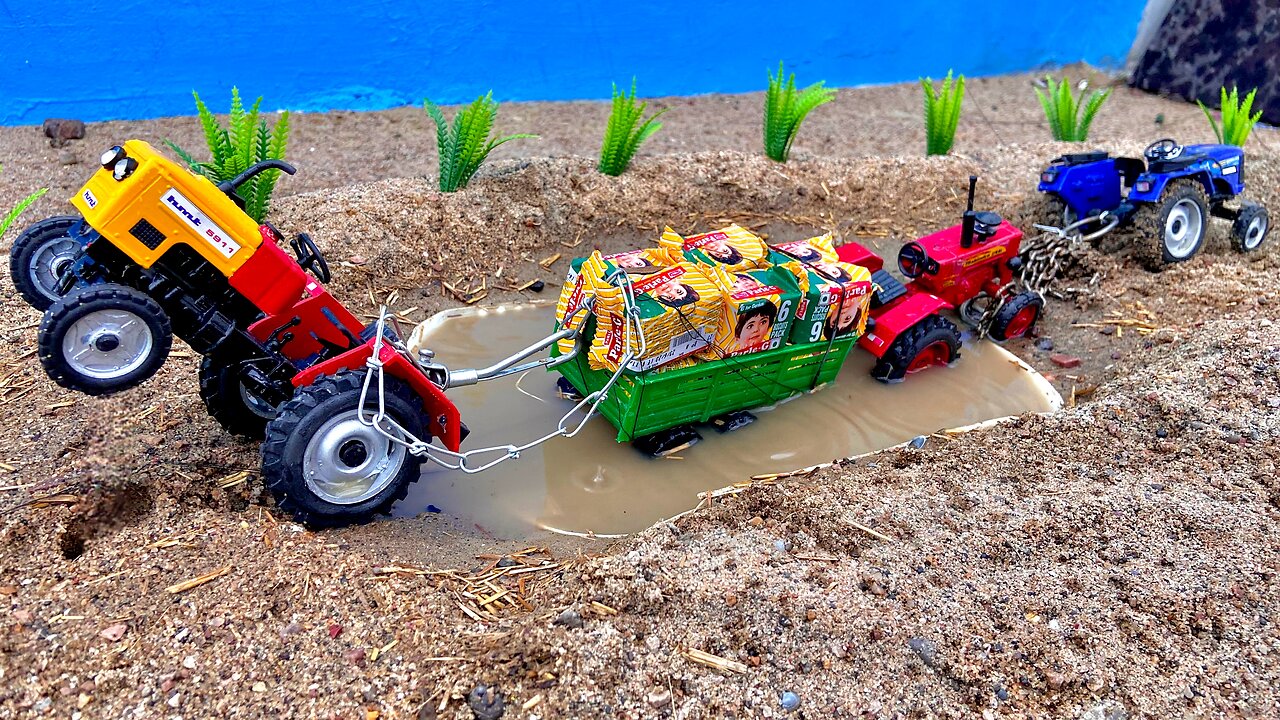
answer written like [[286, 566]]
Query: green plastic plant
[[233, 149], [1070, 116], [20, 208], [785, 108], [465, 145], [941, 113], [626, 131], [1237, 123]]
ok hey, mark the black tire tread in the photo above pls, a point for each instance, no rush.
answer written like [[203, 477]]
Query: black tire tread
[[225, 405], [893, 365], [1241, 224], [1010, 310], [1149, 221], [120, 296], [34, 236], [275, 468]]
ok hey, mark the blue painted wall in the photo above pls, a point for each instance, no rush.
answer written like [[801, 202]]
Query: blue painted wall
[[128, 59]]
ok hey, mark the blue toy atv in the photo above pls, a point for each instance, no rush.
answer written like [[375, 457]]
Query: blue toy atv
[[1171, 193]]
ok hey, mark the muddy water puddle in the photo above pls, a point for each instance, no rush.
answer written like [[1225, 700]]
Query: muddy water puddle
[[591, 483]]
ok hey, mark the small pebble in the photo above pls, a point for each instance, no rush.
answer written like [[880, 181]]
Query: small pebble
[[781, 545], [1162, 433], [537, 286], [1065, 361], [925, 648], [790, 701], [67, 157], [918, 441], [1045, 344], [259, 687], [756, 521], [355, 656], [486, 703], [659, 698], [570, 618]]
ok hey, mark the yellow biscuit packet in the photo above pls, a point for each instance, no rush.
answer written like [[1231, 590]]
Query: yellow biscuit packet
[[586, 275], [838, 294], [733, 248], [677, 309], [759, 306]]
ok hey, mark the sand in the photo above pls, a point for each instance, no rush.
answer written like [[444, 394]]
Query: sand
[[1118, 557]]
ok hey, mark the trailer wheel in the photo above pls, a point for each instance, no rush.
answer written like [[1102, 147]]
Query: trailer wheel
[[1016, 317], [930, 342], [1250, 228], [1172, 230], [103, 339], [39, 256], [325, 467], [667, 442], [237, 410]]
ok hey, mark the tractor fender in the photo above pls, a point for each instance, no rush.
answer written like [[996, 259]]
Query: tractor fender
[[1158, 183], [443, 419], [898, 318]]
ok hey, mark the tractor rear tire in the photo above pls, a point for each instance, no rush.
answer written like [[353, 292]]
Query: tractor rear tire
[[228, 401], [103, 339], [39, 256], [1250, 228], [932, 341], [1174, 229], [326, 468], [1016, 317]]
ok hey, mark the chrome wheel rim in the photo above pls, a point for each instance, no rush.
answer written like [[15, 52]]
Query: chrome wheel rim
[[48, 262], [107, 344], [257, 405], [1182, 229], [1254, 233], [347, 462]]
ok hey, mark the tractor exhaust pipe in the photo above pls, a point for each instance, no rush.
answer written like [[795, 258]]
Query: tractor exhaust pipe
[[966, 225], [230, 186]]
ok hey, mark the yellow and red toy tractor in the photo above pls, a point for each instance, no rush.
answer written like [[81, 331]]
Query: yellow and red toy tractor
[[159, 252]]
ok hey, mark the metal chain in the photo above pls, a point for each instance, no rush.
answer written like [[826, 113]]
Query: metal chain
[[634, 342], [1051, 254]]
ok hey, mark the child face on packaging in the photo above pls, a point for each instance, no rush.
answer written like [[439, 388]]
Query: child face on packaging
[[831, 271], [673, 293], [722, 251], [630, 261], [755, 332], [744, 283], [848, 315], [807, 253]]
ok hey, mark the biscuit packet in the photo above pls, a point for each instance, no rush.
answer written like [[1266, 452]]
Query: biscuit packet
[[678, 309], [733, 248], [837, 299], [759, 306], [586, 275]]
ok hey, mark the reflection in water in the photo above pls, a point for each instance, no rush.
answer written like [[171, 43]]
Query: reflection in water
[[592, 483]]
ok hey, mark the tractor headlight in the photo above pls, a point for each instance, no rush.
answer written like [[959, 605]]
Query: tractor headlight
[[1048, 176], [111, 157], [124, 168], [1142, 186]]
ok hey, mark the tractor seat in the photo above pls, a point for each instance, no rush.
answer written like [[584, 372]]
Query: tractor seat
[[1181, 162], [887, 288], [1081, 158]]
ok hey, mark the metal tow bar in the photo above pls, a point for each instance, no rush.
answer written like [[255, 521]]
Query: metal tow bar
[[385, 424]]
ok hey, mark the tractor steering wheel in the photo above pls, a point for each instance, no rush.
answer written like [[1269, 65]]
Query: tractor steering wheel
[[1164, 149], [914, 261], [309, 257]]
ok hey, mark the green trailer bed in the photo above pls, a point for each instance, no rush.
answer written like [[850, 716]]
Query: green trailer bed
[[648, 402]]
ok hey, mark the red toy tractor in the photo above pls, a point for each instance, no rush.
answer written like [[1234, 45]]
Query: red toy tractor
[[958, 268]]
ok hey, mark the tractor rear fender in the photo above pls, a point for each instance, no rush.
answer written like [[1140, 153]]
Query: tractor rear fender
[[1085, 187], [898, 318], [1149, 187], [443, 419]]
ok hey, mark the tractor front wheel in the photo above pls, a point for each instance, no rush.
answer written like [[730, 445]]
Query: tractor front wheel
[[1250, 228], [326, 467], [39, 256], [103, 339], [1016, 317], [1172, 230], [237, 410], [932, 341]]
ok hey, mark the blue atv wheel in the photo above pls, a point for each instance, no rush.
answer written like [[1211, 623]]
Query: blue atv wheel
[[1250, 228], [1172, 230]]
